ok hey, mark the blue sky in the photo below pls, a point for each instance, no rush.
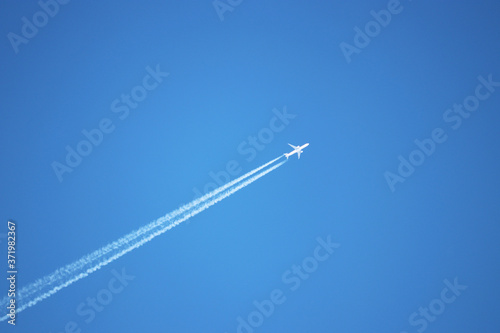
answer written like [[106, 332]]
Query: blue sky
[[231, 70]]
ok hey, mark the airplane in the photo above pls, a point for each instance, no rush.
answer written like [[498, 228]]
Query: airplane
[[296, 149]]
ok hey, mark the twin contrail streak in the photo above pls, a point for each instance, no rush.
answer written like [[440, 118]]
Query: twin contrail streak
[[64, 276]]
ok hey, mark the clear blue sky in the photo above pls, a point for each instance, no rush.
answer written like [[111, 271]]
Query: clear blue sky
[[360, 110]]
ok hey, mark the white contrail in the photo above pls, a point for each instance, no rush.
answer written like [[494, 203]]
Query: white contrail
[[65, 276], [90, 259]]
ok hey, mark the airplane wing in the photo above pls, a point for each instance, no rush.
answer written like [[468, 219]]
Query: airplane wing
[[294, 147], [298, 153]]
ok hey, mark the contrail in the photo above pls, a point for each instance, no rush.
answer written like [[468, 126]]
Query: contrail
[[63, 277], [90, 259]]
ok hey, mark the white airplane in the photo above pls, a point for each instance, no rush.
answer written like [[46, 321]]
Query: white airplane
[[296, 149]]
